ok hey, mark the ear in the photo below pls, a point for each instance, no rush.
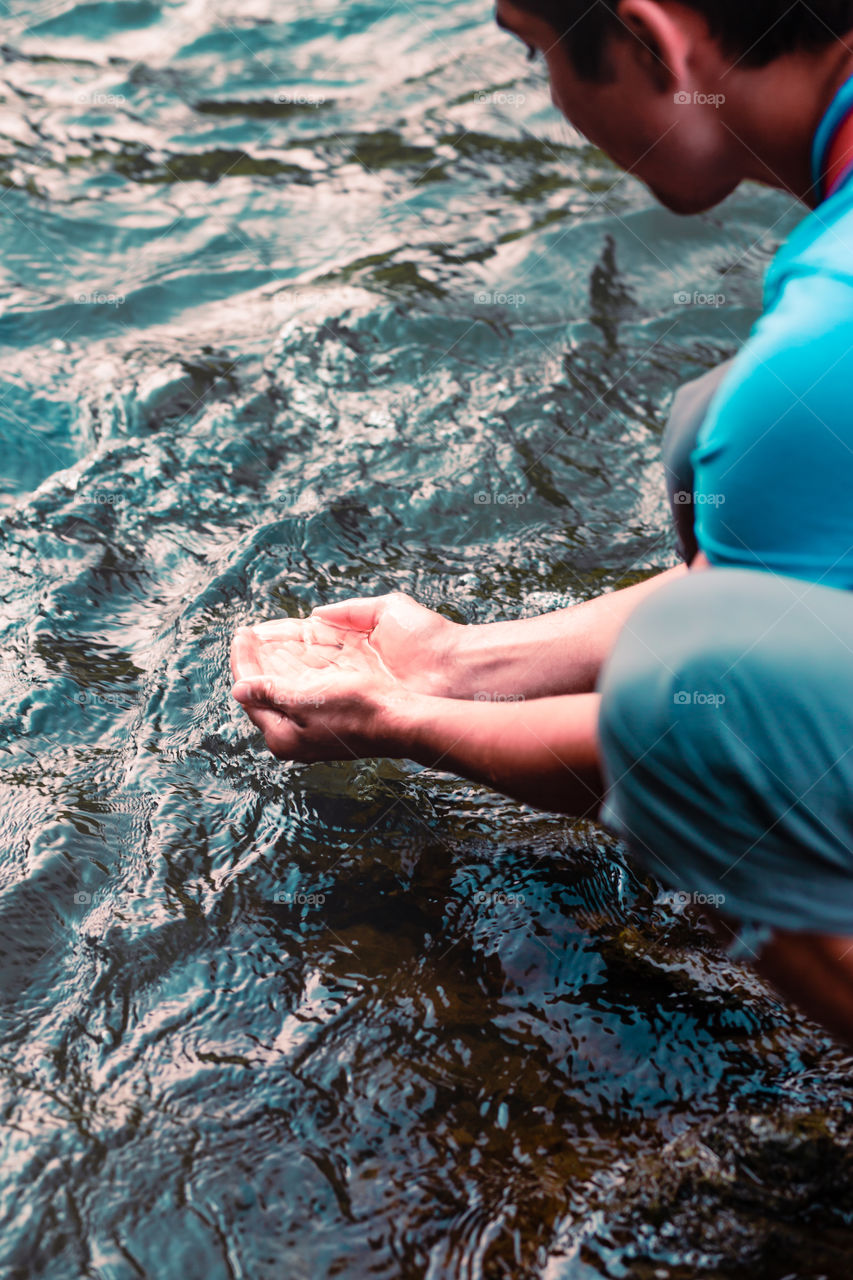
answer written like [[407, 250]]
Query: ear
[[661, 43]]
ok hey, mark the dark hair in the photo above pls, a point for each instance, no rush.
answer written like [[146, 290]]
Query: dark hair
[[755, 31]]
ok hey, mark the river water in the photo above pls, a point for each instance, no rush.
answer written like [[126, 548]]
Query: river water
[[303, 300]]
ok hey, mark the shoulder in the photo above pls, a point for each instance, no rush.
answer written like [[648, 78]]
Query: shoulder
[[821, 246], [798, 359]]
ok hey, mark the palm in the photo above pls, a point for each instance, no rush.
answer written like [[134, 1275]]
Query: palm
[[411, 640], [306, 653], [315, 692]]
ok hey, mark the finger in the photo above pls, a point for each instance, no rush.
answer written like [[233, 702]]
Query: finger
[[319, 631], [283, 660], [298, 653], [285, 697], [272, 724], [261, 692], [293, 661], [280, 629], [282, 736], [361, 613], [244, 654], [316, 657]]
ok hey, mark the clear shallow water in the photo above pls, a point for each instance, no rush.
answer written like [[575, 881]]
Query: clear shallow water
[[286, 291]]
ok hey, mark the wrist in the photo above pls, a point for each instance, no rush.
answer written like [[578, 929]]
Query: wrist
[[446, 674], [409, 726], [478, 661]]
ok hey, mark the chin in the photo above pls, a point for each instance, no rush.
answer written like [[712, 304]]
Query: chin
[[689, 202]]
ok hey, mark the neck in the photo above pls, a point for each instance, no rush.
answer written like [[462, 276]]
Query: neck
[[772, 114]]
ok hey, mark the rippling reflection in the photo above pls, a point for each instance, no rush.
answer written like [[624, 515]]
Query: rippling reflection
[[294, 299]]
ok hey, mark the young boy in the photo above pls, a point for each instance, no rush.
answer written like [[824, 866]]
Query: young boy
[[711, 707]]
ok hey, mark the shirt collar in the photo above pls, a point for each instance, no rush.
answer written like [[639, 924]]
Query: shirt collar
[[835, 115]]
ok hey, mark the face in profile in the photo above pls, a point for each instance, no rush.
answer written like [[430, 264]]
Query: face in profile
[[665, 132]]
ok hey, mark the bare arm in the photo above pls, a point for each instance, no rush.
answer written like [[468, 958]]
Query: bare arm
[[509, 704], [543, 753], [555, 653]]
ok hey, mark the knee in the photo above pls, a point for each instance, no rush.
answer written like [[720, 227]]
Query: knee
[[664, 741], [672, 654], [725, 758], [678, 693]]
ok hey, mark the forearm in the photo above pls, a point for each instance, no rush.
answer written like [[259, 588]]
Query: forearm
[[555, 653], [543, 753]]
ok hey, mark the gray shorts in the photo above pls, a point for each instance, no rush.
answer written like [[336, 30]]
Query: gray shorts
[[727, 742]]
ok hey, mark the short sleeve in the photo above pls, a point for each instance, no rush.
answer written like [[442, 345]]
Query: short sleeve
[[773, 462]]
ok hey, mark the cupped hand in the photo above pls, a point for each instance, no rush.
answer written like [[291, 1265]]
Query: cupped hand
[[316, 691], [416, 644]]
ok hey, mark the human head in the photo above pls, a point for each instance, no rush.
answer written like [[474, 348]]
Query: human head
[[661, 85]]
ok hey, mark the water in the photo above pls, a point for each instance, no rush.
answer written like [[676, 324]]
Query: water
[[302, 300]]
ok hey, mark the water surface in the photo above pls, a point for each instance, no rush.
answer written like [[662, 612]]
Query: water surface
[[301, 300]]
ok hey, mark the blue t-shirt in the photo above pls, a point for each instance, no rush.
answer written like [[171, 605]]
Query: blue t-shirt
[[773, 462]]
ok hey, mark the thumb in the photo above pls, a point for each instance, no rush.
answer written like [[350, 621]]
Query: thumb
[[361, 614]]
